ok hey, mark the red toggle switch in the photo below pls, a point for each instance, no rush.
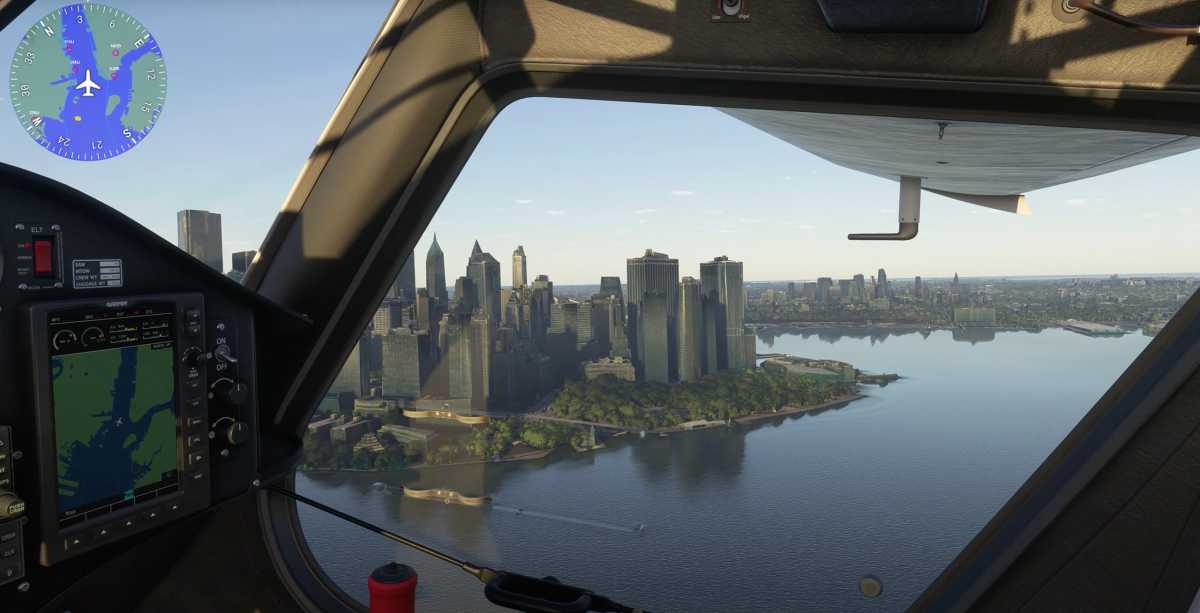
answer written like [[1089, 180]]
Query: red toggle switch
[[43, 257]]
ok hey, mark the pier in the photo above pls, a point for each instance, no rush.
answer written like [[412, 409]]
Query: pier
[[1088, 328]]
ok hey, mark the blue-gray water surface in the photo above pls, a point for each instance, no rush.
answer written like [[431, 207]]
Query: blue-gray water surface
[[784, 515]]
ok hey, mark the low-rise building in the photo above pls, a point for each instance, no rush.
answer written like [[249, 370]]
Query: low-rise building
[[351, 432], [369, 442], [377, 408], [414, 438], [617, 367]]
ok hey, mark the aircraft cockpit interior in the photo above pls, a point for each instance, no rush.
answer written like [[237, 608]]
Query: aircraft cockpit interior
[[813, 305]]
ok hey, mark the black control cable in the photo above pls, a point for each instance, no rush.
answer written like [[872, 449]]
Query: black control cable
[[511, 590], [1150, 27]]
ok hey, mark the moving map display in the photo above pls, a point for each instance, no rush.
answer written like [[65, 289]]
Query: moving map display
[[115, 419]]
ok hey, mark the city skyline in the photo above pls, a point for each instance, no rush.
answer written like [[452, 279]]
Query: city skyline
[[562, 177]]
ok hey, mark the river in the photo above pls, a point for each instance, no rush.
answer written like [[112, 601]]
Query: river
[[783, 515]]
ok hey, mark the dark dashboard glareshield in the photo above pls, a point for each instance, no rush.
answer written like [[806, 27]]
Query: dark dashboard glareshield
[[114, 408]]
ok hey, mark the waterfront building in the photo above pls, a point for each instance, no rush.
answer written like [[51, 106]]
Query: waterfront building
[[374, 408], [792, 292], [859, 289], [321, 426], [844, 291], [721, 281], [1092, 329], [350, 432], [466, 358], [809, 291], [882, 290], [354, 376], [975, 317], [435, 274], [416, 439], [519, 374], [618, 367], [654, 342], [689, 333], [407, 362], [199, 234], [520, 271], [369, 443], [824, 290], [652, 273]]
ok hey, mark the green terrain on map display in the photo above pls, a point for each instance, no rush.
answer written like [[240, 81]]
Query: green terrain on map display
[[115, 424]]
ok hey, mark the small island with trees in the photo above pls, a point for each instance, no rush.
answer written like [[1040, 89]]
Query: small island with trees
[[581, 413]]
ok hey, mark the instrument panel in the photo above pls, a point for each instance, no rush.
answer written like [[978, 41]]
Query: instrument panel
[[131, 378]]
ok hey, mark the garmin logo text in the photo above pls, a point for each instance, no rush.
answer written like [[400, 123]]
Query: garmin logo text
[[116, 303]]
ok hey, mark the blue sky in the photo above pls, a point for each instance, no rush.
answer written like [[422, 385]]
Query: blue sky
[[581, 184]]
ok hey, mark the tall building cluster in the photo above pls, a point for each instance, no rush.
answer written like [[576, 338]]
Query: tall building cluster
[[876, 292], [685, 329], [484, 346]]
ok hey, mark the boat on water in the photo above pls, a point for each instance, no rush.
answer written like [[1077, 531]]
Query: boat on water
[[446, 496]]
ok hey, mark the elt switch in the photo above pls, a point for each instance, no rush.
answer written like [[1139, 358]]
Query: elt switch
[[43, 257]]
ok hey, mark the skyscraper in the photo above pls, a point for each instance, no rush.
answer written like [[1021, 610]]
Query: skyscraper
[[654, 340], [391, 313], [464, 295], [613, 310], [918, 288], [242, 260], [407, 362], [860, 288], [405, 286], [689, 333], [467, 358], [721, 281], [653, 273], [881, 285], [611, 286], [541, 297], [423, 313], [435, 274], [484, 272], [520, 271], [573, 319], [200, 236], [355, 371], [824, 295]]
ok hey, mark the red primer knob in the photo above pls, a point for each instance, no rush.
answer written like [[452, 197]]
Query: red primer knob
[[393, 588]]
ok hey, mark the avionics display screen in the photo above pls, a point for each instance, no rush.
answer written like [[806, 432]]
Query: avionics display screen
[[115, 415]]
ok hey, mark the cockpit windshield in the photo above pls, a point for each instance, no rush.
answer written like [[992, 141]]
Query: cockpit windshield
[[634, 349]]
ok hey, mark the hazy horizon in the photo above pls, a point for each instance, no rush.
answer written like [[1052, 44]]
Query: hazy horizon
[[584, 184]]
